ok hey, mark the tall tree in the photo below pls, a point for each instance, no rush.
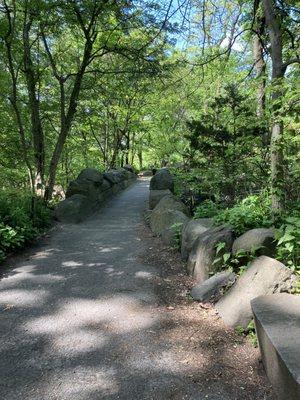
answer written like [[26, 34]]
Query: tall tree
[[274, 17]]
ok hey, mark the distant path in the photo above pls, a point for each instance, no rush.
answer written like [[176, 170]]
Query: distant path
[[79, 318]]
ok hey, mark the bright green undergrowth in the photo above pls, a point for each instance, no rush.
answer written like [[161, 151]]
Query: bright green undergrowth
[[254, 212], [22, 218]]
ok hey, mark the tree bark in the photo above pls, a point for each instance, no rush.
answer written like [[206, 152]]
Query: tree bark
[[34, 106], [67, 118], [273, 22], [260, 68], [8, 39], [140, 157]]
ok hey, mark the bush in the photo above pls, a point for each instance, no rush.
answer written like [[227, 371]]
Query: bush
[[252, 212], [22, 218], [207, 209], [288, 246], [186, 180]]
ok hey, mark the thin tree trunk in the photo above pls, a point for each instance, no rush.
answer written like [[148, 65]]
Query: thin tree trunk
[[273, 22], [140, 157], [34, 106], [8, 38], [260, 68]]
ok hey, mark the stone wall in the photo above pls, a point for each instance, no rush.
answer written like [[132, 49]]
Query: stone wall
[[90, 190], [169, 218], [276, 315]]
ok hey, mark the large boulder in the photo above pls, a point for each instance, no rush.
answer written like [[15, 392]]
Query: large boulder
[[125, 174], [112, 176], [277, 323], [162, 222], [129, 168], [264, 276], [74, 209], [106, 187], [89, 183], [146, 173], [91, 174], [190, 232], [84, 187], [109, 177], [170, 202], [262, 239], [171, 234], [162, 180], [119, 177], [212, 288], [203, 253], [156, 195]]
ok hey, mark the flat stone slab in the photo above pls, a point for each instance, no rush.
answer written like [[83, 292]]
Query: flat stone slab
[[277, 321]]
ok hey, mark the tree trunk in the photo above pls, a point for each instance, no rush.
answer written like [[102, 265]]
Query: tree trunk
[[67, 119], [127, 136], [34, 106], [260, 68], [140, 157], [8, 38], [273, 21]]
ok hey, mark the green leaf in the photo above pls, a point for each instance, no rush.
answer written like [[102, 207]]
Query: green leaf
[[220, 246], [286, 238], [226, 257]]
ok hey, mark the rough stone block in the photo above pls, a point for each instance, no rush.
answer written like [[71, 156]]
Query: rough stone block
[[160, 222], [162, 180], [277, 321], [262, 238], [156, 195], [191, 231], [74, 209], [91, 174], [211, 289], [264, 276], [171, 202], [201, 259], [89, 191]]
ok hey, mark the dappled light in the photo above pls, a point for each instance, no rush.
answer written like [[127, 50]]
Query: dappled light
[[85, 324], [149, 198], [22, 298]]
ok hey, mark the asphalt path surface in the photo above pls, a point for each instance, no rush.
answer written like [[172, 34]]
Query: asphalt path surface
[[79, 317]]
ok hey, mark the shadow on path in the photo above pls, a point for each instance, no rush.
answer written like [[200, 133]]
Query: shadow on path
[[79, 319]]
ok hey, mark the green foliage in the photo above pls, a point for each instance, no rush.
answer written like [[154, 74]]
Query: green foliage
[[185, 180], [238, 262], [229, 135], [251, 212], [249, 332], [288, 245], [177, 228], [144, 101], [206, 209], [22, 218]]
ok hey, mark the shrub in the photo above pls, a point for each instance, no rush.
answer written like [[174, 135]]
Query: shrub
[[177, 229], [252, 212], [288, 245], [206, 209], [22, 218]]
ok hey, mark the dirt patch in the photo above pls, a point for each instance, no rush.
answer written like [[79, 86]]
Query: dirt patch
[[211, 355]]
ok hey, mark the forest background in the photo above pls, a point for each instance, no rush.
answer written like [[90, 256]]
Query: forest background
[[210, 88]]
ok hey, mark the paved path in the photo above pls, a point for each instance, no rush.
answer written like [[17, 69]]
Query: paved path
[[79, 319]]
